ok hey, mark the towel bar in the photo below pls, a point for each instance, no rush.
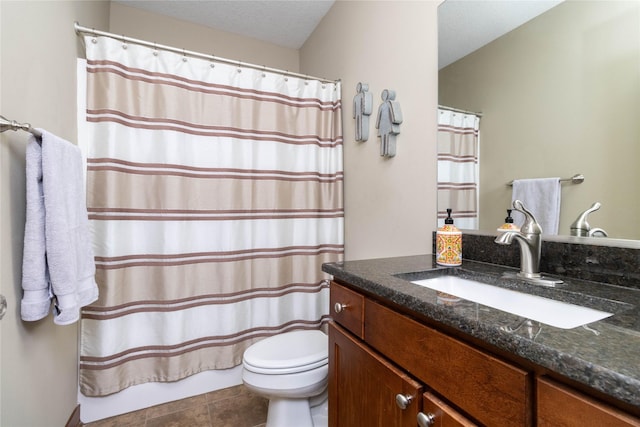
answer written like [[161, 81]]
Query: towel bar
[[575, 179], [6, 124]]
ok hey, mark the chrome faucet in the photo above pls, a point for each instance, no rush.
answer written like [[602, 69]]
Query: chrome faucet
[[530, 239], [581, 227]]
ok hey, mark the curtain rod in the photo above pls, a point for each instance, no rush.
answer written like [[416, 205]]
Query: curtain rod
[[91, 31], [456, 110]]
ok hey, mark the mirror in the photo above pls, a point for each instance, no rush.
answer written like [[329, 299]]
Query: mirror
[[559, 96]]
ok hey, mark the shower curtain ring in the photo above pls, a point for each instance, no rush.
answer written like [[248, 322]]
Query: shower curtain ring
[[155, 49], [94, 39], [184, 56], [213, 58], [124, 42], [264, 69], [239, 66]]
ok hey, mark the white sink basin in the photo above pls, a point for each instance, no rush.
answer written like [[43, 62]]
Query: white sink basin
[[554, 313]]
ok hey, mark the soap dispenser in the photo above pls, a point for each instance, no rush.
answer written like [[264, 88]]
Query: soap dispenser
[[508, 223], [449, 243]]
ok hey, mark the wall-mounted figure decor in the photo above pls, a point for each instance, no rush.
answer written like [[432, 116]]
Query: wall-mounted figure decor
[[362, 109], [388, 123]]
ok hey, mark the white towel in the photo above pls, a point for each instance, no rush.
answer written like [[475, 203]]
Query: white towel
[[542, 198], [57, 223], [36, 299]]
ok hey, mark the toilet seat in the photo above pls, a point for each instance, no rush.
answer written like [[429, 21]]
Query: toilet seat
[[288, 353]]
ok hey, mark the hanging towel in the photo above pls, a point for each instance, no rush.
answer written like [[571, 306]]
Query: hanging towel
[[36, 299], [58, 263], [542, 198]]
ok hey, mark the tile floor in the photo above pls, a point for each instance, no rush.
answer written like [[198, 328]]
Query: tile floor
[[231, 407]]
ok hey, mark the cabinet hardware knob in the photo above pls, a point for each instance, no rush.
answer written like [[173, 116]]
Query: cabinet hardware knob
[[339, 307], [426, 420], [403, 400]]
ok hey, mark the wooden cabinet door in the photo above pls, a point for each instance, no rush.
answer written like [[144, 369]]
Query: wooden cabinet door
[[363, 386], [439, 414], [560, 406]]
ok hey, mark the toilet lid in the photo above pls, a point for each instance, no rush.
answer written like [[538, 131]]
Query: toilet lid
[[288, 353]]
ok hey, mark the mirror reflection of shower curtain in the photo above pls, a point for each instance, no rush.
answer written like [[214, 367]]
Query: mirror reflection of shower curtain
[[458, 167], [215, 195]]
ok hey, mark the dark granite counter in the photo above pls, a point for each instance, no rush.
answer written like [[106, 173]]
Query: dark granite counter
[[604, 355]]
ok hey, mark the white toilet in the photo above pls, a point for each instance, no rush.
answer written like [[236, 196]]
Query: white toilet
[[291, 370]]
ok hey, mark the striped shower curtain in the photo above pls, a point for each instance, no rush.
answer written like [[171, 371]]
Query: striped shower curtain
[[458, 171], [214, 194]]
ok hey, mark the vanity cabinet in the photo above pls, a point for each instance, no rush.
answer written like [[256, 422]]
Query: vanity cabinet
[[368, 389], [493, 392], [381, 359], [440, 414], [347, 309], [363, 386], [559, 406]]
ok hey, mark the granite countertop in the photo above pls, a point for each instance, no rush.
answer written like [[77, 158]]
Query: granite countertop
[[604, 355]]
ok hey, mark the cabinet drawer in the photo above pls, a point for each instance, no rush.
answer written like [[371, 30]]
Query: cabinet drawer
[[440, 414], [560, 406], [488, 389], [347, 308]]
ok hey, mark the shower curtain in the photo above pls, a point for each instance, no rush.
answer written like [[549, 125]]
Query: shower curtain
[[214, 194], [458, 171]]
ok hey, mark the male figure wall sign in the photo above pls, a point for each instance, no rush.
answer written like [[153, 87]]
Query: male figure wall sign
[[388, 123], [362, 109]]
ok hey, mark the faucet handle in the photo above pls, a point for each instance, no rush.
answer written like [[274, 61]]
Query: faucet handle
[[580, 226], [530, 225]]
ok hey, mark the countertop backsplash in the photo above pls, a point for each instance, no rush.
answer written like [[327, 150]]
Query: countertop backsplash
[[609, 264]]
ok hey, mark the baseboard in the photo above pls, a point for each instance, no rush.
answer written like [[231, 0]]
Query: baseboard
[[74, 419]]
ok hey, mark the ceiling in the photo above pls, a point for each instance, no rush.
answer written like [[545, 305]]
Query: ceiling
[[285, 23], [463, 25], [466, 25]]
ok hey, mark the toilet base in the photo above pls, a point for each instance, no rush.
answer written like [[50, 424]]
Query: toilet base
[[289, 413], [285, 412], [320, 414]]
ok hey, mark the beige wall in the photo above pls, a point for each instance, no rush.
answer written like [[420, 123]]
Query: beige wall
[[149, 26], [38, 85], [390, 204], [560, 95]]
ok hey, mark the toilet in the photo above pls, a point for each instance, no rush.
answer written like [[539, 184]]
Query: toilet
[[291, 370]]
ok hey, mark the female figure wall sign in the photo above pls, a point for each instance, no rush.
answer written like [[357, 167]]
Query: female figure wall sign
[[362, 109], [388, 123]]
